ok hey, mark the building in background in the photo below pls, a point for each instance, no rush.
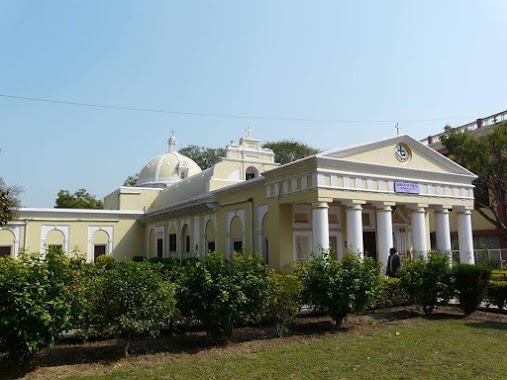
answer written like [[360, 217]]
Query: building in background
[[487, 237], [365, 199]]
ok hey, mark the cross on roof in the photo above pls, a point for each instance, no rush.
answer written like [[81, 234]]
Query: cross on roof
[[172, 132], [397, 128], [249, 132]]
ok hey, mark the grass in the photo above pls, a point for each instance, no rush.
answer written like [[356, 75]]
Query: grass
[[377, 346]]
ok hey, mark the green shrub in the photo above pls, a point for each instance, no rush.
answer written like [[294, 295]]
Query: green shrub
[[221, 294], [287, 301], [35, 302], [123, 299], [471, 282], [139, 259], [497, 293], [339, 287], [499, 275], [391, 294], [190, 260], [427, 282]]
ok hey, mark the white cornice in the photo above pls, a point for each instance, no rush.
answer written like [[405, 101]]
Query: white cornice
[[363, 168], [414, 177], [64, 212]]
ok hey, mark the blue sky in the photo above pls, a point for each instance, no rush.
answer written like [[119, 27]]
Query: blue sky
[[357, 61]]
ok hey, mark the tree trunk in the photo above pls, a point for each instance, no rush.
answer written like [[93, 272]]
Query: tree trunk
[[127, 345]]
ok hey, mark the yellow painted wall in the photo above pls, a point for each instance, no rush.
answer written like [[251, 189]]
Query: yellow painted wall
[[131, 198], [385, 156], [7, 239], [128, 234]]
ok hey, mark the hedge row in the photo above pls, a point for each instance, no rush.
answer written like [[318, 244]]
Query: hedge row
[[42, 297]]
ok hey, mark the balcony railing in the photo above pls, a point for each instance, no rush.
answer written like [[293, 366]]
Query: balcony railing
[[478, 124]]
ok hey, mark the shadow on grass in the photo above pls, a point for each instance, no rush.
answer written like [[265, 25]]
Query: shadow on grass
[[102, 352], [105, 352], [395, 315], [487, 325], [436, 316], [191, 341], [320, 327]]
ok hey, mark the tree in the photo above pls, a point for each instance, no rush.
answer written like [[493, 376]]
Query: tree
[[290, 150], [131, 180], [9, 202], [222, 294], [339, 287], [36, 295], [427, 282], [204, 157], [80, 199], [486, 156], [123, 299]]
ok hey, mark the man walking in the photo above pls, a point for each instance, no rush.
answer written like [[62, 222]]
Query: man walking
[[393, 263]]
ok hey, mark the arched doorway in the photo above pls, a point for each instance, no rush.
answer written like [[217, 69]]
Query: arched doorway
[[173, 249], [265, 239], [186, 249], [210, 236], [251, 173], [236, 235], [153, 249]]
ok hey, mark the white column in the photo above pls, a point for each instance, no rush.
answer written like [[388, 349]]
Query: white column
[[320, 227], [384, 233], [465, 237], [418, 219], [443, 231], [355, 228]]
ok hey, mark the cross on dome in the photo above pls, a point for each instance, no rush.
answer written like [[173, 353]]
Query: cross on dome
[[249, 132], [172, 142]]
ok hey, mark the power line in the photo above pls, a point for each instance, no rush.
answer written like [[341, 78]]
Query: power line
[[218, 115]]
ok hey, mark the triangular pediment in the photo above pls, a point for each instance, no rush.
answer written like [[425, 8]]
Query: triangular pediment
[[399, 152]]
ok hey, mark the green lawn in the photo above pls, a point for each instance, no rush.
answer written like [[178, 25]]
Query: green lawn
[[416, 348]]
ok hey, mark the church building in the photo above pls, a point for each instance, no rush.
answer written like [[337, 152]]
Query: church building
[[395, 192]]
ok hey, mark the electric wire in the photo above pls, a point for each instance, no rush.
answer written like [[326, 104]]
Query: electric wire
[[224, 116]]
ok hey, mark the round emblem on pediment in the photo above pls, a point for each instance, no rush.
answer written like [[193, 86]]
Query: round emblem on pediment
[[402, 153]]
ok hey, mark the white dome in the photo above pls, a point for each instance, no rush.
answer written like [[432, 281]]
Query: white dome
[[166, 169]]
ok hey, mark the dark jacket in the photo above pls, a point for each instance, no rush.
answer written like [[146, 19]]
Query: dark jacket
[[393, 264]]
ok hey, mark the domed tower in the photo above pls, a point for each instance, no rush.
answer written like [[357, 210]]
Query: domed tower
[[167, 168]]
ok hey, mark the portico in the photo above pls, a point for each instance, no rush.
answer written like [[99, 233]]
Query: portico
[[377, 200]]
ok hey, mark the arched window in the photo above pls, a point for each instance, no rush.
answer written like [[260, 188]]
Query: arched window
[[7, 241], [55, 240], [100, 240], [251, 173]]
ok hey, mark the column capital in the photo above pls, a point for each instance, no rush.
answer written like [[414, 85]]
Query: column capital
[[441, 210], [385, 206], [463, 209], [418, 207], [354, 204], [320, 205]]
